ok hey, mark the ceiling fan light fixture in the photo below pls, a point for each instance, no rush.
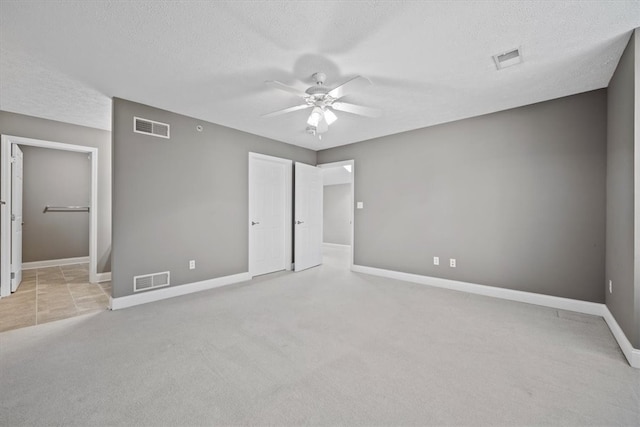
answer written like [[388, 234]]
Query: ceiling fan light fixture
[[315, 117], [329, 116]]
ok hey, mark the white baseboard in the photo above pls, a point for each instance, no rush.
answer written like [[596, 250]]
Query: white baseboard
[[336, 245], [104, 277], [54, 262], [490, 291], [586, 307], [164, 293], [632, 354]]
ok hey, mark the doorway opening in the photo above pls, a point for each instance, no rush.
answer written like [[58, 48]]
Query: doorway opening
[[10, 230], [290, 226], [48, 225], [338, 212]]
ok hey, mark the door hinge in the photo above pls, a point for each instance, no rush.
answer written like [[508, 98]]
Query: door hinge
[[13, 217], [13, 159], [13, 276]]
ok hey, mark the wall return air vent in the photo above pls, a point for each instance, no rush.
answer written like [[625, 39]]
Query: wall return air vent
[[151, 281], [149, 127]]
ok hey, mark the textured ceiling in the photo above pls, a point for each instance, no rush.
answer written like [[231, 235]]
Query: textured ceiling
[[430, 62]]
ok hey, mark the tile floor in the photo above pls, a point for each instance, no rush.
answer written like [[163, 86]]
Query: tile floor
[[52, 293]]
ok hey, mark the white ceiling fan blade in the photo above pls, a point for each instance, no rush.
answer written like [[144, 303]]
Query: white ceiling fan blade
[[277, 85], [356, 109], [352, 85], [287, 110]]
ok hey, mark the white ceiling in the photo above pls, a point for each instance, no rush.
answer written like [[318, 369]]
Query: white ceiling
[[430, 62]]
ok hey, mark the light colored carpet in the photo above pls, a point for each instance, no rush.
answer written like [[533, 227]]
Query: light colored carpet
[[324, 347]]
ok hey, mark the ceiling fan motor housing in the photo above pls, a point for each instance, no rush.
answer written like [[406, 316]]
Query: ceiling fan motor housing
[[317, 90]]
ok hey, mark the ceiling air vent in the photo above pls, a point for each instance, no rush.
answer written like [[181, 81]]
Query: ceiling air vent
[[150, 281], [149, 127], [507, 59]]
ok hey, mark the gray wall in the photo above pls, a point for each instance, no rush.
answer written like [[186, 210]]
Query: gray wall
[[33, 127], [620, 194], [58, 178], [337, 211], [517, 197], [183, 198]]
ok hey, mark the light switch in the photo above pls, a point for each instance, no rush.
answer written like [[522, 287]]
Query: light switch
[[359, 205]]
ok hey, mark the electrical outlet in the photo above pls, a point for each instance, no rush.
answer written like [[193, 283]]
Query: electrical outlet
[[452, 262], [610, 287], [192, 264], [436, 260]]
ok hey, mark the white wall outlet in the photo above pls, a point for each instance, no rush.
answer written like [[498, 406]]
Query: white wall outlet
[[436, 260], [610, 286], [192, 264], [360, 205], [452, 262]]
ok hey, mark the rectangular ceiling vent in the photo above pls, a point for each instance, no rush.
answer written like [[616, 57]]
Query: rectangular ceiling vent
[[507, 59], [149, 127], [151, 281]]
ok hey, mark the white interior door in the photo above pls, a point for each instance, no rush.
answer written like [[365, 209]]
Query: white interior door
[[308, 216], [268, 219], [16, 217]]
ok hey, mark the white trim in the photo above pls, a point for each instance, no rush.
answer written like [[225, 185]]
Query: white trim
[[632, 354], [104, 277], [491, 291], [586, 307], [174, 291], [336, 245], [5, 192], [353, 202], [54, 262], [5, 214], [288, 215]]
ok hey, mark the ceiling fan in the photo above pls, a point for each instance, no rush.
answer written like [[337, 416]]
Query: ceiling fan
[[322, 100]]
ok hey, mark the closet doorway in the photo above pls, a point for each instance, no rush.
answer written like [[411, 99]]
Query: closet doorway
[[10, 262]]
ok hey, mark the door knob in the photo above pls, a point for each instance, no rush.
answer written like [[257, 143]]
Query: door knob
[[299, 222], [2, 202], [254, 222]]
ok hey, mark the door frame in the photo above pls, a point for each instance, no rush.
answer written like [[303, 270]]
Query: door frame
[[353, 200], [288, 208], [16, 255], [6, 142]]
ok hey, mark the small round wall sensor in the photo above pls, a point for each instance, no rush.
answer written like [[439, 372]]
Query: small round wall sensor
[[199, 128]]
